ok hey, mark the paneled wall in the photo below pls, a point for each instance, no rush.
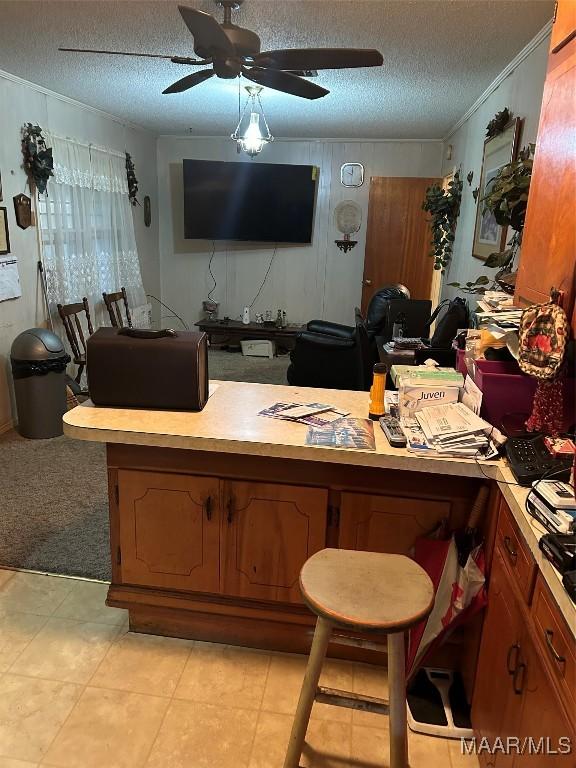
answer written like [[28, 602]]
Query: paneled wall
[[315, 281], [20, 103], [521, 92]]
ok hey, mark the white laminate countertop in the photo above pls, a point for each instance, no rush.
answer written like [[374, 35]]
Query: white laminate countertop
[[230, 424]]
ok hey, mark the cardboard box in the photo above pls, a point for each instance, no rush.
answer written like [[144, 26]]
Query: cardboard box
[[413, 397]]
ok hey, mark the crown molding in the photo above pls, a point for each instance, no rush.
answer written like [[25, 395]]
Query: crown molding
[[74, 102], [277, 140], [516, 61]]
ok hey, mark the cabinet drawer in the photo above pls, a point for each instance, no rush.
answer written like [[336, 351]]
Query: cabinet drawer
[[556, 641], [516, 554]]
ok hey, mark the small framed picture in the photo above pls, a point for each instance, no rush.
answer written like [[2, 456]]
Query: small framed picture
[[499, 150], [4, 234]]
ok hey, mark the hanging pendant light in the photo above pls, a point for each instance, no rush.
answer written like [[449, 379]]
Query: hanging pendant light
[[252, 132]]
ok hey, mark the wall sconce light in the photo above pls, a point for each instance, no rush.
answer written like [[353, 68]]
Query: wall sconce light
[[252, 132]]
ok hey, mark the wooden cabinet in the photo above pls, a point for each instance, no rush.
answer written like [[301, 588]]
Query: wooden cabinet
[[564, 26], [543, 724], [493, 708], [381, 523], [268, 533], [519, 699], [548, 254], [169, 530], [202, 534]]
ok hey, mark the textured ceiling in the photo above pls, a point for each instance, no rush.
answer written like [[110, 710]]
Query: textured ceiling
[[438, 58]]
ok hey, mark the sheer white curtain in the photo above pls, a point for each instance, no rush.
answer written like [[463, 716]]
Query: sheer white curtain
[[88, 242]]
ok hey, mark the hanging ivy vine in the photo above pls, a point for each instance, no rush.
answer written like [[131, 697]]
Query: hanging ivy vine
[[506, 197], [38, 160], [443, 205], [132, 181]]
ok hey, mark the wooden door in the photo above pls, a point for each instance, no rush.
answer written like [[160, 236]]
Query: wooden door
[[544, 725], [494, 705], [169, 530], [387, 523], [548, 254], [397, 237], [268, 533]]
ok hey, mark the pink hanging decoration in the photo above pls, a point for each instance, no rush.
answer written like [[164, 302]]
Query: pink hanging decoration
[[547, 409]]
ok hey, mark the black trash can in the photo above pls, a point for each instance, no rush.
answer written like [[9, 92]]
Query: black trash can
[[39, 370]]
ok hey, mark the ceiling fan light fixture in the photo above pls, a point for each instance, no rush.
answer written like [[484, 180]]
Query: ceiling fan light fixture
[[248, 135]]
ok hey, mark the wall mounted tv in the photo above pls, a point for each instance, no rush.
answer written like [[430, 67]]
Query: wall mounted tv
[[257, 202]]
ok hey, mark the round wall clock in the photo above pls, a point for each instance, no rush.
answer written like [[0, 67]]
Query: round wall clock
[[352, 174]]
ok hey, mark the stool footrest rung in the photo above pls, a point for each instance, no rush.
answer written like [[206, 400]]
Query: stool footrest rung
[[358, 642], [351, 700]]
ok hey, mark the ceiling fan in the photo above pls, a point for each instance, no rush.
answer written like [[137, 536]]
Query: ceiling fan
[[234, 51]]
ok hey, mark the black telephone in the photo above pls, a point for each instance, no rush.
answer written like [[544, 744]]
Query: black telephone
[[530, 460]]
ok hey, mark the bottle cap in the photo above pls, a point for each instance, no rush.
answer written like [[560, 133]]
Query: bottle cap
[[380, 368]]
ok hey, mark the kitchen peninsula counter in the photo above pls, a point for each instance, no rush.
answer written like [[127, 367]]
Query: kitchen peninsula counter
[[213, 514]]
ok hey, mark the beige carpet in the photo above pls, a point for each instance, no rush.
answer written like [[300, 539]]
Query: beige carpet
[[53, 494]]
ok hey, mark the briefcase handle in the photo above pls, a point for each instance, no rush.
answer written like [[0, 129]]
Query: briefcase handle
[[146, 333]]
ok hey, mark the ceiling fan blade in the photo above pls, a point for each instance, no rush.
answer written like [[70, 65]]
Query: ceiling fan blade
[[189, 81], [285, 82], [175, 59], [209, 37], [319, 58]]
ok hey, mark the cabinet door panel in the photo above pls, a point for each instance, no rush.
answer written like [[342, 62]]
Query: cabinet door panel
[[268, 533], [544, 726], [564, 27], [387, 523], [495, 706], [169, 530], [548, 254]]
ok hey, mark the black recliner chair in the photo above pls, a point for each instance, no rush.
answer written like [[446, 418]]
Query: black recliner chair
[[338, 356]]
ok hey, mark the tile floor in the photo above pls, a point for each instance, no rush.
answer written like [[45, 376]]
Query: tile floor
[[77, 690]]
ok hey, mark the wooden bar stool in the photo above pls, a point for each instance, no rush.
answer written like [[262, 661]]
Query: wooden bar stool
[[366, 591]]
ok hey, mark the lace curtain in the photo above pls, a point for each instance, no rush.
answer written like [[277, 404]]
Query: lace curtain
[[88, 242]]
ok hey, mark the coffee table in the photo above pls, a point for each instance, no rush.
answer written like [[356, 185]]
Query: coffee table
[[232, 330]]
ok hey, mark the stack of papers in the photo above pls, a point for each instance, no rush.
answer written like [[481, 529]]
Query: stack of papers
[[450, 430], [313, 414], [496, 308]]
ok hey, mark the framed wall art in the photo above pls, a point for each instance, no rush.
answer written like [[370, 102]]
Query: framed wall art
[[499, 150], [4, 234]]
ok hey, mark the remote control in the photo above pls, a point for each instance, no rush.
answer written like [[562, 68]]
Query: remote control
[[393, 431]]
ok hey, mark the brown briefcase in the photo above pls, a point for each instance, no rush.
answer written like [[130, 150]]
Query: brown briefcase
[[134, 368]]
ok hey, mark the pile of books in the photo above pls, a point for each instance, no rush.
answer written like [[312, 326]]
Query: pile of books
[[450, 430]]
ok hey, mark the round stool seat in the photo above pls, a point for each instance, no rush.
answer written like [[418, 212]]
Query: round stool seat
[[368, 590]]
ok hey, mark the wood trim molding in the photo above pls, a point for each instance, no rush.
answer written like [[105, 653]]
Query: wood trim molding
[[7, 426], [508, 69]]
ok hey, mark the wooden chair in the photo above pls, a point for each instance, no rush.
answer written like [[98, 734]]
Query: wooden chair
[[70, 316], [369, 592], [112, 301]]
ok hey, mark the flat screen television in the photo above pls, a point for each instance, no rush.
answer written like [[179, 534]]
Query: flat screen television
[[258, 202]]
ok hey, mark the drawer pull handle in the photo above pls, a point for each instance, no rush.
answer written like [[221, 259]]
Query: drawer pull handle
[[548, 634], [512, 554], [516, 650], [520, 670], [230, 507], [208, 508]]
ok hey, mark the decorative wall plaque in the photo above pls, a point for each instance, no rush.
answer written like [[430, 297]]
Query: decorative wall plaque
[[23, 211], [147, 211]]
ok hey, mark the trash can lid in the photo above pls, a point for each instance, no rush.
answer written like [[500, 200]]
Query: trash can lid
[[37, 344]]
